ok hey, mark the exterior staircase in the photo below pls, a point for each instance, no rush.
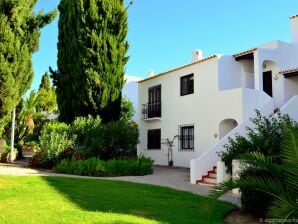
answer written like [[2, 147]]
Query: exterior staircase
[[200, 166], [209, 179]]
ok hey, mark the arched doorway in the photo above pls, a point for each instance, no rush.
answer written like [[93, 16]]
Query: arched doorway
[[225, 126], [270, 70]]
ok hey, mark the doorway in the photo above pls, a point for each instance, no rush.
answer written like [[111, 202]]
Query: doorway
[[226, 126], [267, 82]]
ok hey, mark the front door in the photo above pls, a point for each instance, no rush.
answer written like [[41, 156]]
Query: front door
[[267, 82]]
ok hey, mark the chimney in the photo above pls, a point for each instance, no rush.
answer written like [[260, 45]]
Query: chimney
[[150, 73], [294, 29], [197, 55]]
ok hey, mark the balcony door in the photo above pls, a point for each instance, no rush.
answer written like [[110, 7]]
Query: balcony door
[[154, 101]]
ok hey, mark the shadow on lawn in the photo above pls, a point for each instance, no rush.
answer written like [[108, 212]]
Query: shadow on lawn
[[151, 202]]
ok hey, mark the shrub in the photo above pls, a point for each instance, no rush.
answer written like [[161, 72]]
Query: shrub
[[86, 134], [100, 168], [86, 138], [120, 140], [262, 149], [265, 138], [5, 154], [54, 140]]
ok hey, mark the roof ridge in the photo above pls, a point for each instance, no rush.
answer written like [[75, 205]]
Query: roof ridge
[[180, 67]]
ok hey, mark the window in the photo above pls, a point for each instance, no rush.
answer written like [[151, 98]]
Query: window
[[153, 139], [186, 85], [154, 102], [154, 94], [186, 137]]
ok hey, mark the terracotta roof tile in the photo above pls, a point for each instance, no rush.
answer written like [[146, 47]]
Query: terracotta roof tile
[[245, 52], [287, 71], [178, 68]]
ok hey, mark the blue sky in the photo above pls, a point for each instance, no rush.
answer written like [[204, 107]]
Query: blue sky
[[163, 33]]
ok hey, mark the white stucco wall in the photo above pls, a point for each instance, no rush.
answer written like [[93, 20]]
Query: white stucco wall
[[223, 89], [205, 109], [283, 56], [291, 88]]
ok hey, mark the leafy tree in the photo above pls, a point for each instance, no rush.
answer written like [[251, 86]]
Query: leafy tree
[[46, 95], [282, 184], [45, 82], [127, 109], [19, 36], [92, 51]]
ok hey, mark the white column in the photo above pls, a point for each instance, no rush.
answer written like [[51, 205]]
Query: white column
[[12, 135], [258, 71], [222, 174]]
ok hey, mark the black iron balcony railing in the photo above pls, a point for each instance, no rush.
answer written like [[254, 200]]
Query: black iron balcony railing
[[151, 110]]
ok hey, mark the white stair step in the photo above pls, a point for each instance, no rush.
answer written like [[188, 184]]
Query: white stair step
[[210, 180], [213, 175]]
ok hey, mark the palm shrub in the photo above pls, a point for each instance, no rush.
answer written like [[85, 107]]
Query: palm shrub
[[281, 184]]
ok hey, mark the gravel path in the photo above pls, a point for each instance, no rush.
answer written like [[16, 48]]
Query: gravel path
[[172, 177]]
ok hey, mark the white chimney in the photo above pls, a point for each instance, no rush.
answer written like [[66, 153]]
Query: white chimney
[[151, 73], [197, 55], [294, 29]]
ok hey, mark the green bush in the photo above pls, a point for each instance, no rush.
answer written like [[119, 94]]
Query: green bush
[[120, 140], [54, 140], [87, 139], [5, 154], [115, 140], [265, 138], [100, 168]]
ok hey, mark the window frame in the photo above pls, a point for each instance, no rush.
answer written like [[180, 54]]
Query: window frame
[[156, 145], [189, 88], [186, 137]]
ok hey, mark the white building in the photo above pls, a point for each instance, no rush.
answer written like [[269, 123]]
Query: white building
[[130, 90], [212, 98]]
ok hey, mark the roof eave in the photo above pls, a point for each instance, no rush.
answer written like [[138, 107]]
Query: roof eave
[[178, 68]]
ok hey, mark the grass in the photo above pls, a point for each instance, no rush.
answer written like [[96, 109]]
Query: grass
[[68, 200]]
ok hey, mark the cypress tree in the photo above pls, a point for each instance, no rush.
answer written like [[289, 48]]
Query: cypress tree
[[46, 95], [92, 51], [45, 82], [19, 37]]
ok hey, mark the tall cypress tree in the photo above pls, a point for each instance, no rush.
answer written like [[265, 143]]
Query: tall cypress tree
[[19, 37], [46, 95], [92, 51], [45, 82]]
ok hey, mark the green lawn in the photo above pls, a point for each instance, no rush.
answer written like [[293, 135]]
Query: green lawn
[[67, 200]]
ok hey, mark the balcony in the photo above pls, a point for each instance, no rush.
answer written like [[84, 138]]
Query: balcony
[[151, 111]]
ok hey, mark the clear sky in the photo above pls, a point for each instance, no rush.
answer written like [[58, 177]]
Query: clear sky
[[163, 33]]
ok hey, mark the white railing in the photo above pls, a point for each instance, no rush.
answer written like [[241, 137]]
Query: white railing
[[201, 165]]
